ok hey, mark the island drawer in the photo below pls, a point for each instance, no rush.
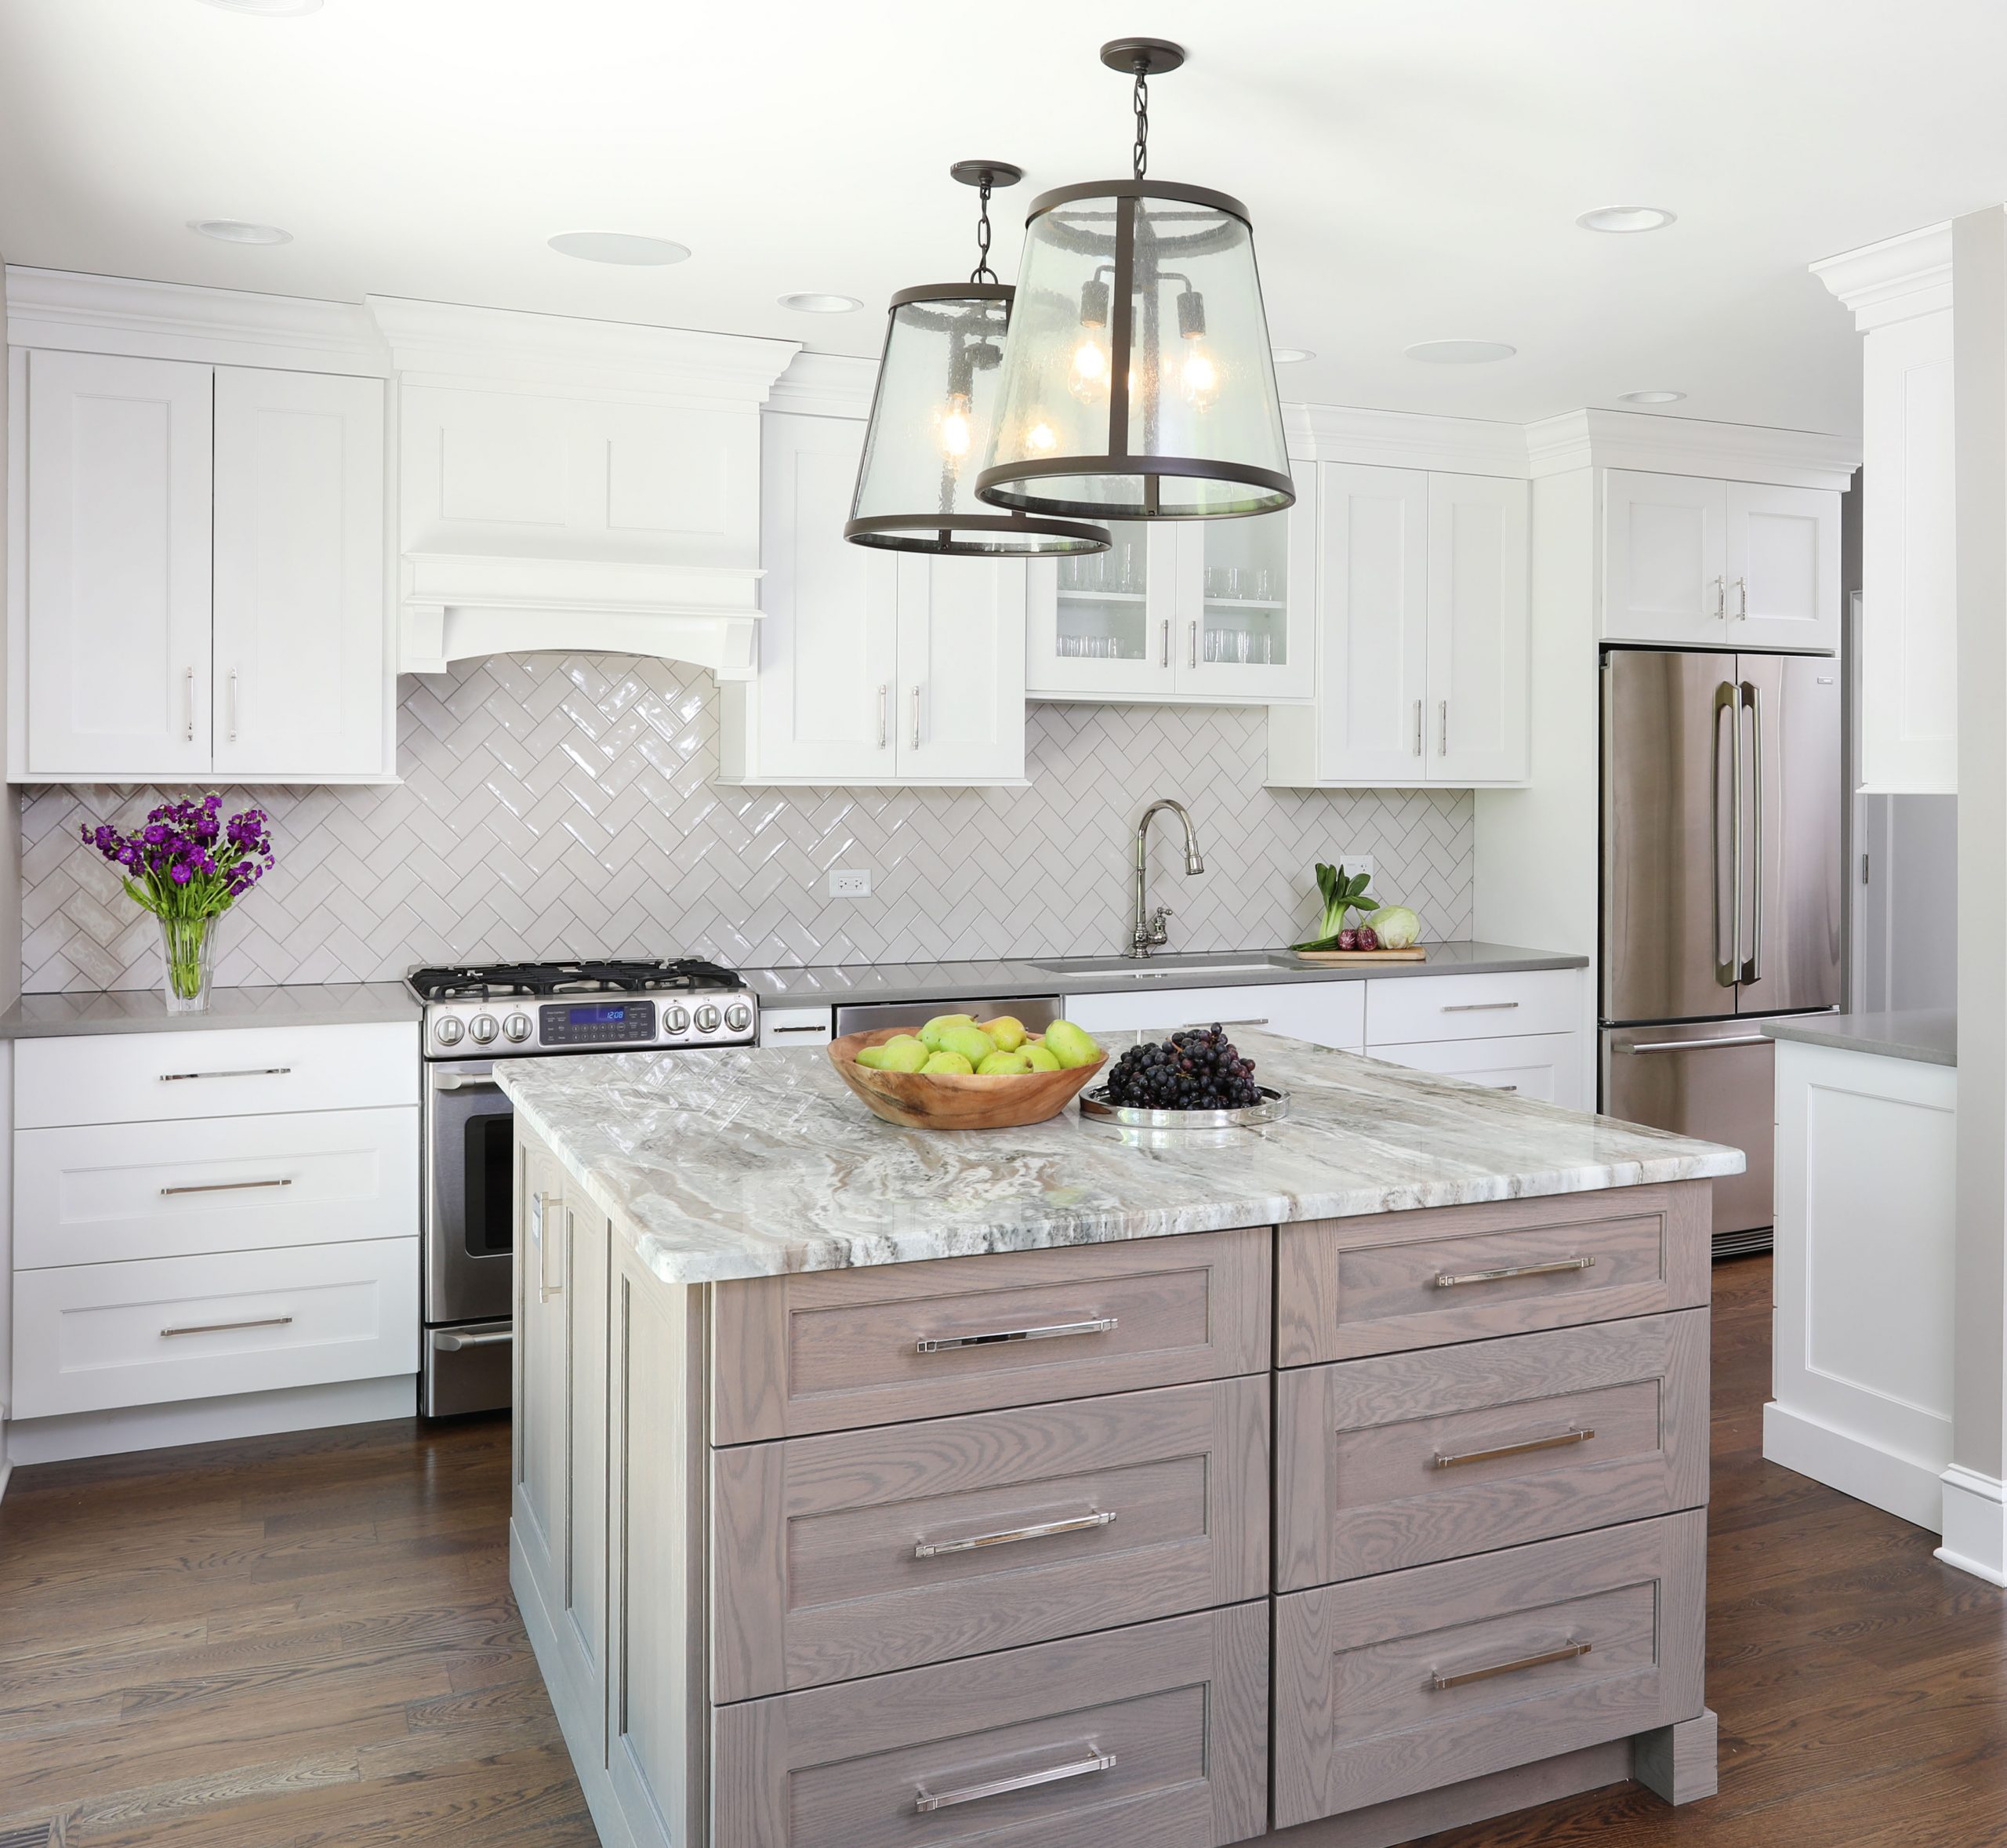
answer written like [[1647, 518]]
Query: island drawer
[[1379, 1285], [835, 1350], [1416, 1680], [1410, 1458], [1157, 1732], [847, 1555]]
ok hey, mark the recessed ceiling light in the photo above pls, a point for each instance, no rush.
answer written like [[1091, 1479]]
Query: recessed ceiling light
[[1626, 218], [270, 9], [1460, 352], [1651, 397], [618, 247], [236, 230], [1291, 355], [811, 303]]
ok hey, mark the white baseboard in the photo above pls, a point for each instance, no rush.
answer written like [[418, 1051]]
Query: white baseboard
[[1905, 1487], [1974, 1524], [208, 1420]]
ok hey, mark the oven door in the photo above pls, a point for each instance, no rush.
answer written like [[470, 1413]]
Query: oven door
[[469, 1221]]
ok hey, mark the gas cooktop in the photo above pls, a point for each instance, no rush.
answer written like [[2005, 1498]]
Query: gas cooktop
[[498, 981], [489, 1009]]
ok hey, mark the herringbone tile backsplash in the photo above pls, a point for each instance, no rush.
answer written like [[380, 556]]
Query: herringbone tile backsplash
[[563, 805]]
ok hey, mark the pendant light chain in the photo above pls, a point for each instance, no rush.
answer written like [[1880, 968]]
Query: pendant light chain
[[1140, 154], [982, 272]]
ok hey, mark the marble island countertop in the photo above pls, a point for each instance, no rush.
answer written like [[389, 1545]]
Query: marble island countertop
[[745, 1162]]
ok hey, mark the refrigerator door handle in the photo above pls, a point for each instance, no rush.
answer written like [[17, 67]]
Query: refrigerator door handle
[[1728, 699], [1752, 969]]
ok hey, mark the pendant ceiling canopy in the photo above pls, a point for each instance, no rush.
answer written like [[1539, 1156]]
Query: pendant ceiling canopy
[[1138, 383], [931, 415]]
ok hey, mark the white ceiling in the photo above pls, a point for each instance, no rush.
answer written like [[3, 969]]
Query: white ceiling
[[1414, 167]]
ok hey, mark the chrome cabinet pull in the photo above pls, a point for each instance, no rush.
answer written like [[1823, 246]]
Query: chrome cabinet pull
[[1513, 1450], [542, 1207], [797, 1029], [1752, 969], [1742, 595], [1445, 1281], [1417, 728], [884, 714], [225, 1327], [936, 1549], [1101, 1761], [233, 705], [223, 1186], [1443, 725], [449, 1342], [245, 1072], [1697, 1045], [1438, 1681], [188, 700], [1721, 600], [1195, 644], [1505, 1087], [1165, 660], [916, 715], [942, 1343], [1262, 1022], [1478, 1006]]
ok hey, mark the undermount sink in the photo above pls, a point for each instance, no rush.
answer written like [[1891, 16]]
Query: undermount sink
[[1156, 967]]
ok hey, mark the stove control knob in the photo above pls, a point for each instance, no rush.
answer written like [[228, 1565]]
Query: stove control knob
[[739, 1017], [517, 1027], [675, 1020], [450, 1030], [483, 1030], [708, 1018]]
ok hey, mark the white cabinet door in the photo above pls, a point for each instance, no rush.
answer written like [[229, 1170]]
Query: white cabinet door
[[961, 662], [1246, 632], [1783, 567], [1101, 625], [1664, 560], [539, 1470], [1478, 689], [117, 625], [300, 607]]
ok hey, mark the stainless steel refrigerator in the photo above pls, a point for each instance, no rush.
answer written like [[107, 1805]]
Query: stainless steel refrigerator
[[1721, 893]]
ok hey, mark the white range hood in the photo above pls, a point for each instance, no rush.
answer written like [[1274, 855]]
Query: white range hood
[[568, 484]]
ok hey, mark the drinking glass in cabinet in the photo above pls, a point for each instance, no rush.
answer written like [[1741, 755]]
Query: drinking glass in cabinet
[[1246, 585], [1101, 615]]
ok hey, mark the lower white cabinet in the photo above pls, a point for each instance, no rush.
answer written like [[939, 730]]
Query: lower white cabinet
[[1401, 1011], [1323, 1013]]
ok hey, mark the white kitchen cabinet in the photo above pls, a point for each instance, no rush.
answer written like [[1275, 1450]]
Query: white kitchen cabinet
[[1323, 1013], [539, 1470], [1547, 1066], [1477, 629]]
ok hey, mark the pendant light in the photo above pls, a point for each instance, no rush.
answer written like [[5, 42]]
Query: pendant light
[[931, 416], [1137, 384]]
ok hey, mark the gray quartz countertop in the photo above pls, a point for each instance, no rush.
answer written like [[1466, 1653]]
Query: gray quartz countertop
[[744, 1163], [1930, 1036], [840, 982], [144, 1010]]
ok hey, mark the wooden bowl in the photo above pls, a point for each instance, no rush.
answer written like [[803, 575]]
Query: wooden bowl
[[948, 1100]]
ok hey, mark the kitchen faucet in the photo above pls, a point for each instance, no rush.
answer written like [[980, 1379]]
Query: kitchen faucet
[[1147, 932]]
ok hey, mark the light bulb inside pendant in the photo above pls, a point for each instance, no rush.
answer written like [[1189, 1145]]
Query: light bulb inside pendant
[[952, 431]]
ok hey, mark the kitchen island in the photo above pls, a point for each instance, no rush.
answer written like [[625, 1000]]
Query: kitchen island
[[1329, 1483]]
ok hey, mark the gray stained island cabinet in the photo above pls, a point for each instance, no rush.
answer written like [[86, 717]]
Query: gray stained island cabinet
[[1363, 1518]]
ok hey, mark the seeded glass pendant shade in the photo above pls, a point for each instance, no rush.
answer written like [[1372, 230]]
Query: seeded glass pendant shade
[[1138, 383], [931, 417]]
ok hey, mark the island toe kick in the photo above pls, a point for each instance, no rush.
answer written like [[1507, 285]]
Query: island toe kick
[[1265, 1534]]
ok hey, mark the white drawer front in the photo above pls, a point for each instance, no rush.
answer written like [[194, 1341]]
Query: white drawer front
[[230, 1072], [103, 1192], [797, 1026], [90, 1337], [1544, 1065], [1408, 1010], [1324, 1013]]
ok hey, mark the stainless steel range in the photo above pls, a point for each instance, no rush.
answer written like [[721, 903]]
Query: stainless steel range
[[473, 1017]]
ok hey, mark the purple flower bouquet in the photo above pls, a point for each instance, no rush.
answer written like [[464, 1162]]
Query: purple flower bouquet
[[187, 866]]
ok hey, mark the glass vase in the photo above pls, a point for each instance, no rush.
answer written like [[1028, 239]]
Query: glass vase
[[188, 944]]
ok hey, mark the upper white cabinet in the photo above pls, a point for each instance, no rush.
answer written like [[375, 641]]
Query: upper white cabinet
[[1200, 611], [1422, 661]]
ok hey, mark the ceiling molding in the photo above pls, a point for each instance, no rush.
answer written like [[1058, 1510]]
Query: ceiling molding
[[825, 385], [1689, 446], [1895, 280], [1402, 439], [70, 311]]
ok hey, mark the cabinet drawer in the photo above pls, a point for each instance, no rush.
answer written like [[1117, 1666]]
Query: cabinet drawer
[[1324, 1013], [1417, 1679], [1410, 1458], [230, 1072], [1400, 1011], [101, 1192], [831, 1350], [1547, 1066], [1346, 1287], [91, 1336], [796, 1026], [1157, 1732], [842, 1556]]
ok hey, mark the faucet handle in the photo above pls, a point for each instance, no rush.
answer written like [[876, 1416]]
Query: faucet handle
[[1158, 933]]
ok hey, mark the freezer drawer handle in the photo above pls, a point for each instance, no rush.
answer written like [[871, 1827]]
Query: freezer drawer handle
[[935, 1549], [1513, 1450], [942, 1343], [227, 1328], [1445, 1281], [1695, 1045], [1439, 1681], [222, 1186], [452, 1343], [1085, 1767]]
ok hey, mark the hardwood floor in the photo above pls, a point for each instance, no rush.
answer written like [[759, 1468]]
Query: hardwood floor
[[309, 1643]]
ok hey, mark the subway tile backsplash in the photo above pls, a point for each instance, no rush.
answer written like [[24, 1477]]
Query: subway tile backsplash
[[557, 805]]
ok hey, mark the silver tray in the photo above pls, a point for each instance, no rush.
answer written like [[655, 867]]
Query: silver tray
[[1273, 1107]]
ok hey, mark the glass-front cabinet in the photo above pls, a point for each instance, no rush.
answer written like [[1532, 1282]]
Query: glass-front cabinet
[[1217, 611]]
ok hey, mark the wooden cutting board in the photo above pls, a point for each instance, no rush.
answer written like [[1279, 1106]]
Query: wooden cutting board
[[1416, 955]]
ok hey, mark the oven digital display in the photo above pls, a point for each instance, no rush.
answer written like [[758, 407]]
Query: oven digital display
[[586, 1023], [596, 1016]]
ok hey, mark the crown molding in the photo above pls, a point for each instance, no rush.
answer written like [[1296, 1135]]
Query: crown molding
[[67, 311], [1895, 280], [1402, 439], [825, 385], [1689, 446]]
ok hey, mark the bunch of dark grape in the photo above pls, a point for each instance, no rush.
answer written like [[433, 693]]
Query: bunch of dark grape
[[1197, 1069]]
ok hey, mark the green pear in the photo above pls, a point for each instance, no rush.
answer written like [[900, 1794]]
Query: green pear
[[1071, 1046], [929, 1035], [1035, 1055], [1004, 1065], [906, 1054], [947, 1061], [1007, 1031], [971, 1042], [872, 1056]]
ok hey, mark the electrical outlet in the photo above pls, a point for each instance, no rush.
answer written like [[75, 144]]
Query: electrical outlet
[[847, 883], [1353, 864]]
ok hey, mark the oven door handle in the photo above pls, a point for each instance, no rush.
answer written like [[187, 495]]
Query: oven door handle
[[461, 1081]]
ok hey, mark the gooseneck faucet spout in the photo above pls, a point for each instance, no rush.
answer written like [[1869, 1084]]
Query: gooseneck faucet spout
[[1147, 930]]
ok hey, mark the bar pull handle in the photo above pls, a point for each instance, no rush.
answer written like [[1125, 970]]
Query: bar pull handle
[[233, 705], [188, 702], [1262, 1022], [450, 1342], [1194, 644], [458, 1081], [1478, 1006], [1442, 729], [1742, 597], [226, 1327], [1438, 1681], [1697, 1045], [243, 1072], [1165, 659], [1721, 600], [1085, 1767], [1445, 1281], [1728, 699], [1505, 1087], [222, 1186], [797, 1029], [1513, 1450], [542, 1206], [943, 1344], [936, 1549], [884, 714], [1417, 728], [1752, 969], [916, 715]]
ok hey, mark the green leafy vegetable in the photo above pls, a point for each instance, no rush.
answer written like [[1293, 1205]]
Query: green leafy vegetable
[[1342, 894]]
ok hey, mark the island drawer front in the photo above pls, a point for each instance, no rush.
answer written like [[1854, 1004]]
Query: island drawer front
[[1090, 1514], [1154, 1733], [836, 1350], [100, 1193], [1410, 1458], [1547, 1649], [1472, 1007], [225, 1072], [1349, 1287]]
